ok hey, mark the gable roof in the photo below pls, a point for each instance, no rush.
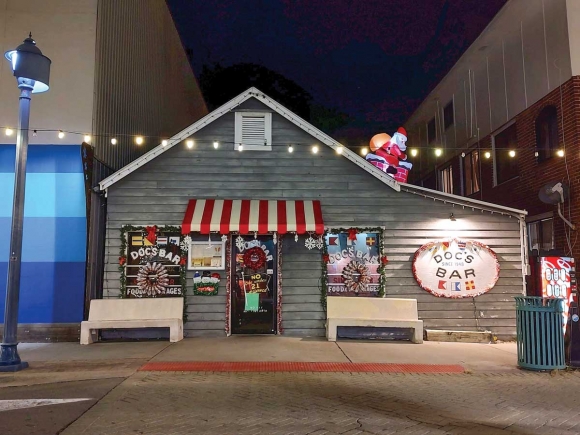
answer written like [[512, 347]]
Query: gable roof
[[276, 107], [313, 131]]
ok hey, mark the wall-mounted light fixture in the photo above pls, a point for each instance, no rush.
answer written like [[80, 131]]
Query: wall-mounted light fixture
[[452, 218]]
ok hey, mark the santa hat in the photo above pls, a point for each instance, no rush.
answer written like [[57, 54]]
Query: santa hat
[[402, 131]]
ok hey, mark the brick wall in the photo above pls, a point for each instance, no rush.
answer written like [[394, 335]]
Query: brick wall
[[522, 192]]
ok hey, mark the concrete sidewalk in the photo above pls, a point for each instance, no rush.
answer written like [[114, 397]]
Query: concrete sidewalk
[[474, 357], [59, 362]]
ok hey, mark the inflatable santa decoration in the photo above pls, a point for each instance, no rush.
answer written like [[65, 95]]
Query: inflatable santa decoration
[[388, 154]]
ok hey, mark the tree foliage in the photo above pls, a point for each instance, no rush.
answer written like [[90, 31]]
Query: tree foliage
[[220, 84]]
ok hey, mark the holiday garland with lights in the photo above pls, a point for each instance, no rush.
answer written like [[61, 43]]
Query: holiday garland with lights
[[150, 233], [352, 232]]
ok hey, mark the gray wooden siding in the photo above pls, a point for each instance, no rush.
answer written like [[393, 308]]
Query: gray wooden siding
[[158, 194]]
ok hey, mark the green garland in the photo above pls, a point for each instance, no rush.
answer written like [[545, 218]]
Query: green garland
[[382, 269], [123, 255]]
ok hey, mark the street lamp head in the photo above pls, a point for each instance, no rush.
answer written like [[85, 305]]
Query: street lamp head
[[30, 67]]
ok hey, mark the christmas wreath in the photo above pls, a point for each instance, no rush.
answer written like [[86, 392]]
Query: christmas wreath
[[356, 276], [152, 279], [254, 258]]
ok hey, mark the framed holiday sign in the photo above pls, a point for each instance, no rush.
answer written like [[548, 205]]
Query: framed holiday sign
[[353, 263], [455, 268], [152, 263]]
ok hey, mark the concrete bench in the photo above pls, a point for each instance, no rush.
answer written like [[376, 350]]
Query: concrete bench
[[134, 313], [372, 312]]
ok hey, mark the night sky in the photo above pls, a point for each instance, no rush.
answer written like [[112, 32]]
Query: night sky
[[374, 60]]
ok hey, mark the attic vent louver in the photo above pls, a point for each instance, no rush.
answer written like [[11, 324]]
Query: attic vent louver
[[253, 130]]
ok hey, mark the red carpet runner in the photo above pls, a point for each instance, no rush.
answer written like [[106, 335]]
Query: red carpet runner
[[208, 366]]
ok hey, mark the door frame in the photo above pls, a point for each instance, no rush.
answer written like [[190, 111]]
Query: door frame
[[278, 290]]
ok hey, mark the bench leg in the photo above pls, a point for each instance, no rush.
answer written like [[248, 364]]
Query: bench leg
[[86, 336], [176, 332], [330, 330], [418, 336]]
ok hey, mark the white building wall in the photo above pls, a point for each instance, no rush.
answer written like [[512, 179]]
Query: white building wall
[[65, 31], [523, 54], [573, 7]]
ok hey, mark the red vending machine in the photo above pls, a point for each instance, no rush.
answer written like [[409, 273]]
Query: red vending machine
[[555, 277]]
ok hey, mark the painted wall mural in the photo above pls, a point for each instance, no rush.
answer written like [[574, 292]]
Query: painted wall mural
[[456, 268], [388, 154]]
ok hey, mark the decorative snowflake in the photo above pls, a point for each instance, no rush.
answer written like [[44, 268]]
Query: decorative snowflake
[[240, 243], [275, 238], [310, 243], [296, 237], [224, 238], [319, 243], [184, 245]]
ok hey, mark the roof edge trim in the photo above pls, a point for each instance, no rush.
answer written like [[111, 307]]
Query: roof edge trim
[[461, 200], [281, 110]]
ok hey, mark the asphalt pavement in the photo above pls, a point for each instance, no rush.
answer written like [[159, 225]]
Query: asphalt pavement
[[99, 389]]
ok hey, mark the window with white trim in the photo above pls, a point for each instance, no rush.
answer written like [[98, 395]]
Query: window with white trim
[[253, 131], [541, 234], [471, 179], [504, 145], [446, 177]]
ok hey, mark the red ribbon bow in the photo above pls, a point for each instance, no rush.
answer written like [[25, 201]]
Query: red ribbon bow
[[182, 261], [326, 258], [352, 234], [122, 260], [384, 260], [151, 236]]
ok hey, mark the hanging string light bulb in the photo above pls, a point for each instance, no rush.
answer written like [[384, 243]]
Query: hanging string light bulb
[[60, 134]]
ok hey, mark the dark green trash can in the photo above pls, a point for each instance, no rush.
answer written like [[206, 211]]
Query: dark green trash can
[[540, 335]]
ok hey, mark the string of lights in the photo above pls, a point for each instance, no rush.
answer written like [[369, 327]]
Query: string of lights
[[190, 143]]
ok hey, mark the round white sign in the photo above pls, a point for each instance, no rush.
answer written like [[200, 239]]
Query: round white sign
[[456, 268]]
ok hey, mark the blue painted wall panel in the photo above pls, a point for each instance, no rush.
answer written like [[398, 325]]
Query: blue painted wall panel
[[48, 239], [54, 240], [44, 158], [50, 292], [6, 193], [47, 195], [4, 237]]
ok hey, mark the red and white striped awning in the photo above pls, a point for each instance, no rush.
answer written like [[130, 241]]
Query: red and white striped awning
[[247, 216]]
